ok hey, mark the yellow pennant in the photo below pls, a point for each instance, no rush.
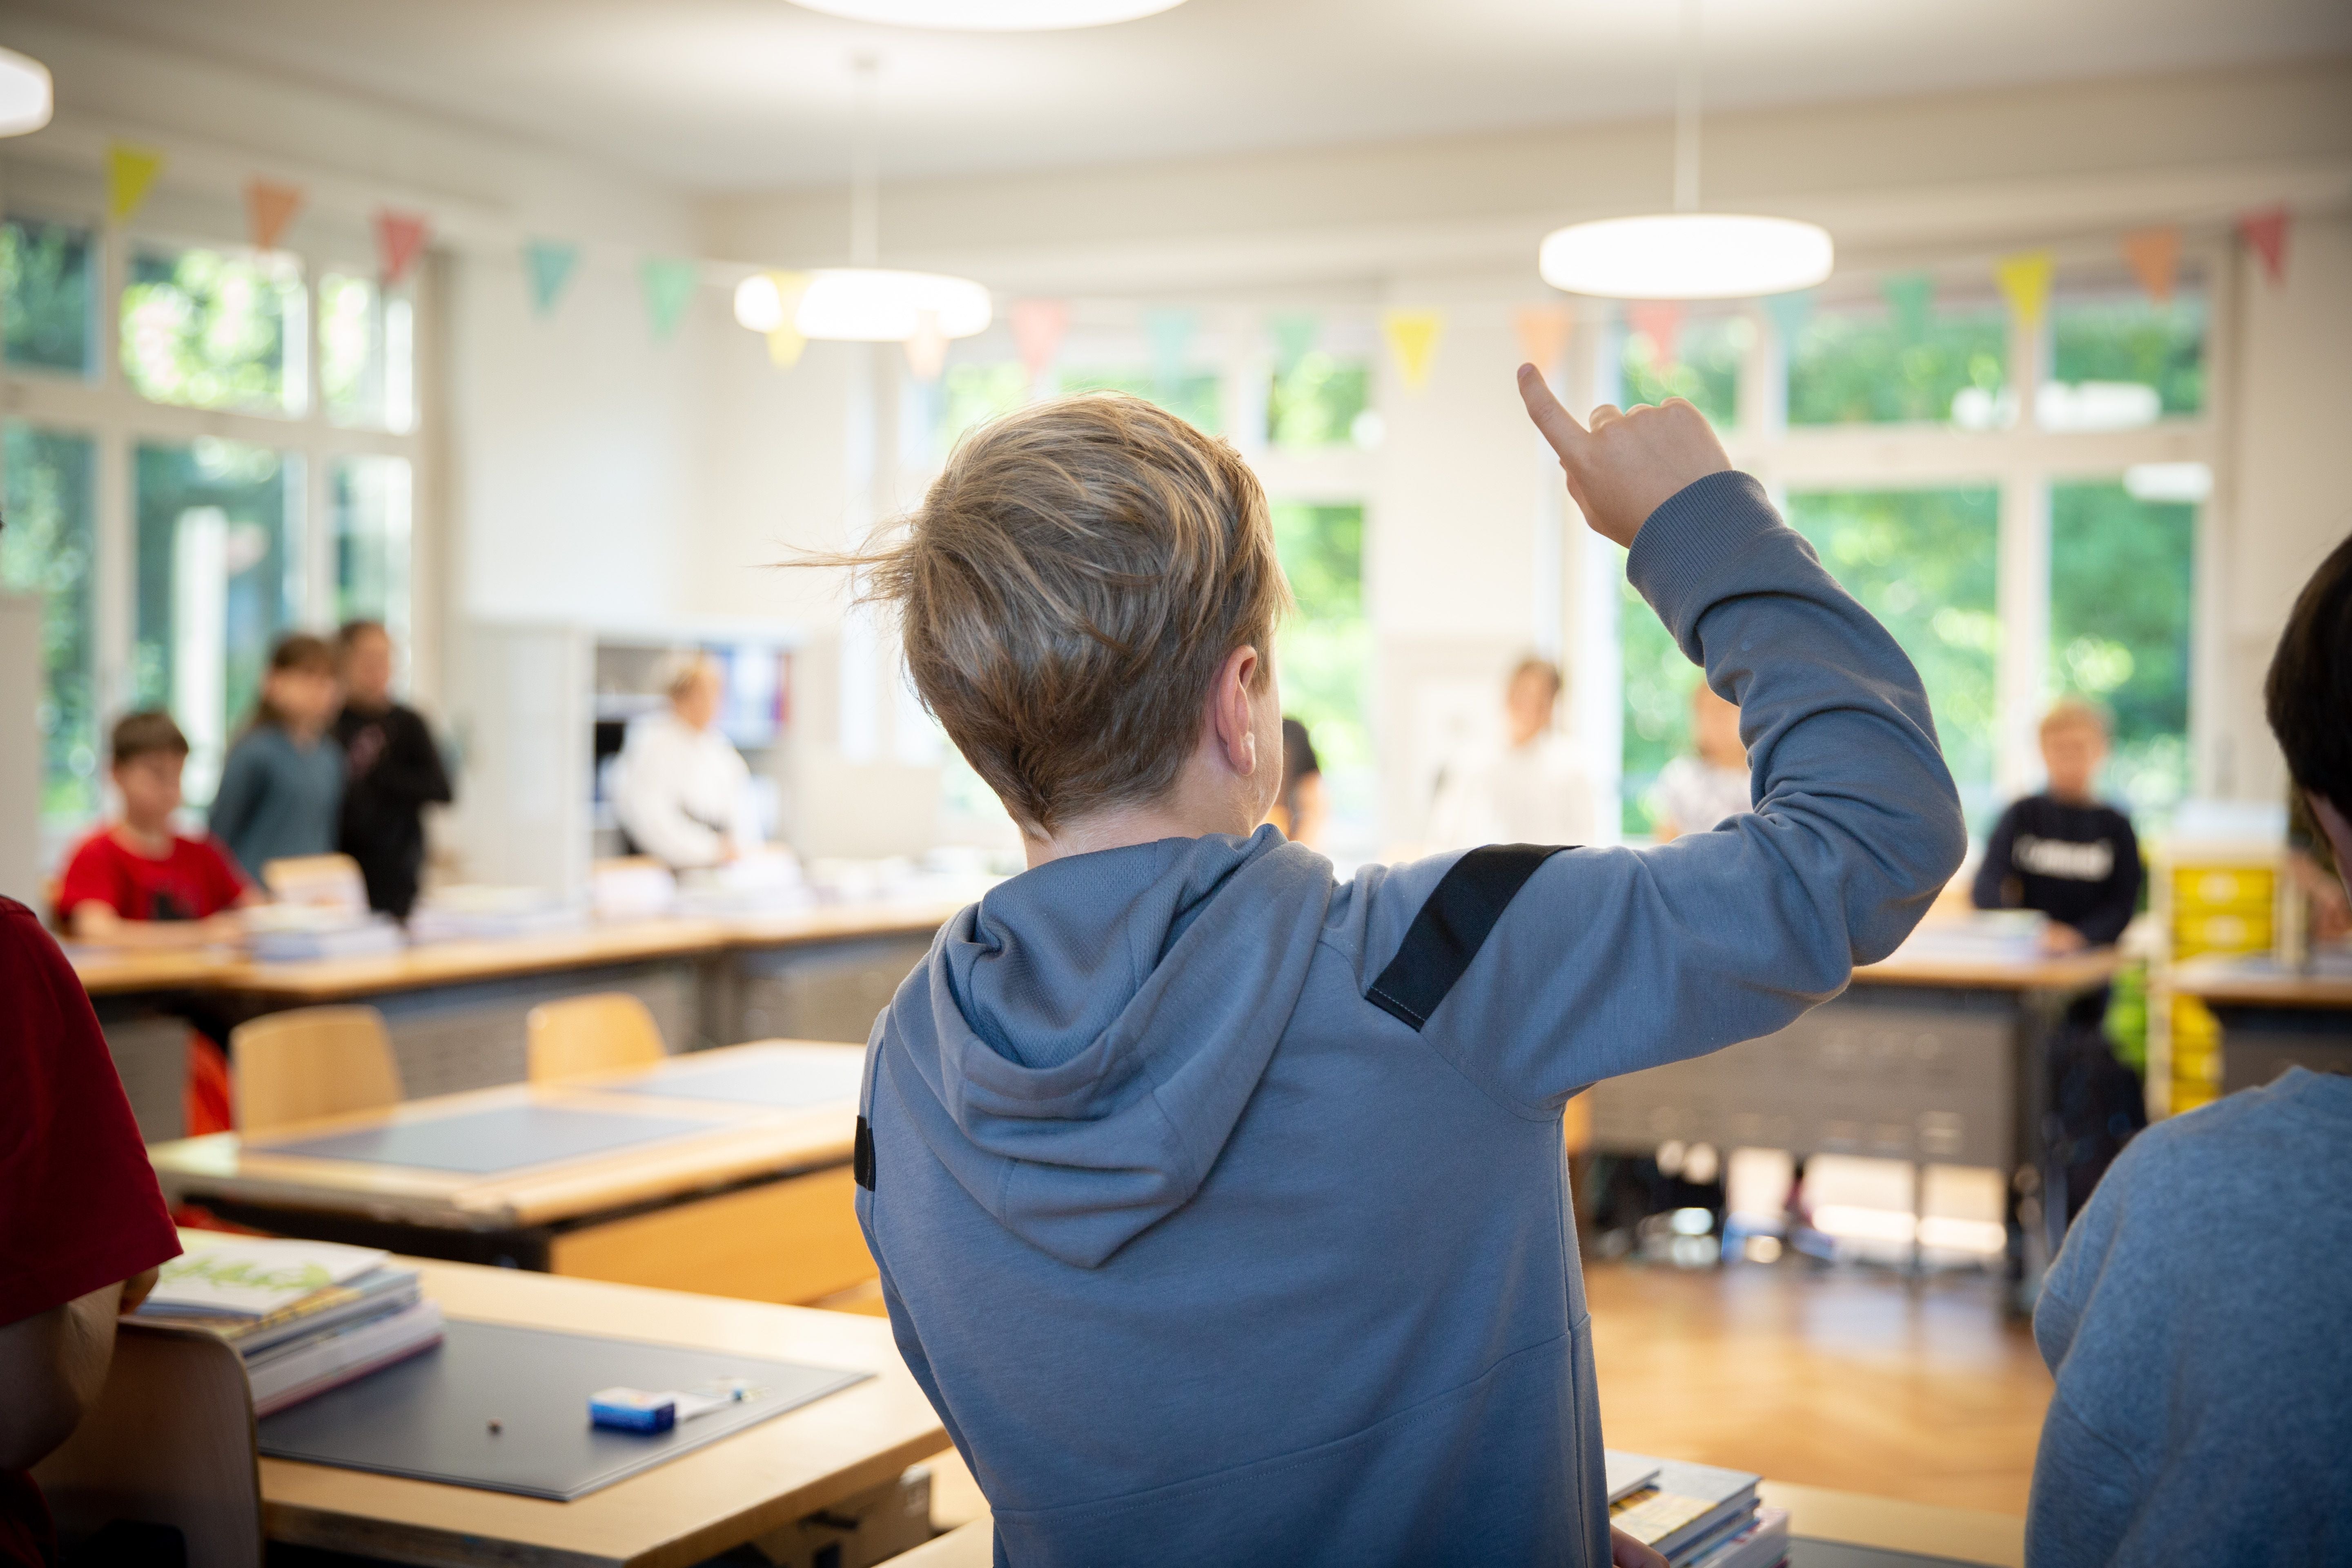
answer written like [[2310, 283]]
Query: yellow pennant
[[130, 170], [785, 341], [1412, 338], [2024, 281]]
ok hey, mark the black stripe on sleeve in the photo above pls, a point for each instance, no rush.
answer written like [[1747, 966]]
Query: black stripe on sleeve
[[1451, 926], [861, 1156]]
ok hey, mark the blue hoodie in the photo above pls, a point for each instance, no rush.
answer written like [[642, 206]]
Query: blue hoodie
[[1220, 1230]]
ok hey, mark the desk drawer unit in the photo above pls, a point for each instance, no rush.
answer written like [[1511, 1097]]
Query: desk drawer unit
[[1901, 1074]]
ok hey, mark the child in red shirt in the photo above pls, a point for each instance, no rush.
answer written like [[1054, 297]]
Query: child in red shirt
[[137, 883]]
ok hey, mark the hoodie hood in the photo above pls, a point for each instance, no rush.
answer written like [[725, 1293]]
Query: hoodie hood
[[1080, 1044]]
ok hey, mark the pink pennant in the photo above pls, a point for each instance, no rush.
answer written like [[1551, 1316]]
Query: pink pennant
[[1543, 334], [270, 206], [1661, 322], [2266, 232], [2155, 257], [399, 239], [1038, 327]]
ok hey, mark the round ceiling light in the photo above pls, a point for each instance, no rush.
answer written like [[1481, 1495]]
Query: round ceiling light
[[866, 304], [993, 15], [24, 94], [1686, 255]]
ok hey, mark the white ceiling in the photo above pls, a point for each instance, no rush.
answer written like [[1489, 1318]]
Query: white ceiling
[[732, 95]]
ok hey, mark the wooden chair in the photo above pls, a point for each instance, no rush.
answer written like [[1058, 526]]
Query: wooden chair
[[170, 1442], [309, 1063], [319, 882], [583, 1034]]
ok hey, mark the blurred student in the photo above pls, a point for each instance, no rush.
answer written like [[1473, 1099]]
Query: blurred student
[[2065, 852], [1531, 790], [1219, 1204], [282, 789], [2195, 1318], [1698, 791], [391, 771], [82, 1226], [1299, 809], [681, 789]]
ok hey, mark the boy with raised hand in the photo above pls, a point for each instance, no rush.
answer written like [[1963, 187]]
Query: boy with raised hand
[[1220, 1208]]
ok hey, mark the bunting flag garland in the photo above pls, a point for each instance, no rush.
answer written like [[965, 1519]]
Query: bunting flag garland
[[1170, 330], [926, 351], [669, 284], [1910, 296], [1295, 334], [1038, 327], [549, 263], [2266, 232], [1661, 322], [1542, 331], [785, 344], [1412, 337], [130, 170], [270, 206], [1790, 313], [2155, 257], [2024, 280], [399, 240]]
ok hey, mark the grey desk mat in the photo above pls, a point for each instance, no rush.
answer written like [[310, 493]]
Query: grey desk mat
[[1805, 1553], [428, 1418], [482, 1141], [817, 1078]]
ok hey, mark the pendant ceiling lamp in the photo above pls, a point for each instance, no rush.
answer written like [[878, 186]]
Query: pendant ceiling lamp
[[993, 15], [863, 302], [24, 94], [1687, 254]]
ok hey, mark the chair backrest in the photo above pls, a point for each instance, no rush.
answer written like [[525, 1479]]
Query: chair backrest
[[311, 1062], [582, 1035], [170, 1442], [318, 881]]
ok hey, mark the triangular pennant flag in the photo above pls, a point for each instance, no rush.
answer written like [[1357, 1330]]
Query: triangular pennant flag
[[1038, 327], [785, 341], [1295, 334], [130, 170], [1661, 322], [399, 240], [549, 263], [270, 206], [1170, 330], [1909, 295], [1412, 338], [2266, 232], [1790, 313], [2155, 257], [2024, 280], [926, 351], [669, 284], [1542, 331]]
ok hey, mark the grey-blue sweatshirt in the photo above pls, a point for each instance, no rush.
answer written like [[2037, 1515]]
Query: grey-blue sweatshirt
[[2199, 1322], [1203, 1257], [278, 800]]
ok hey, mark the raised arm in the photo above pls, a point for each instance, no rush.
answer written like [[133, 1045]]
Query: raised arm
[[1608, 961]]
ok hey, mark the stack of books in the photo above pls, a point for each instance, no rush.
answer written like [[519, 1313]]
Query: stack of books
[[1694, 1516], [307, 1316]]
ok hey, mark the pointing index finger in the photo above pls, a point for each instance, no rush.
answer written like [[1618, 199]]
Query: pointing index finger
[[1558, 425]]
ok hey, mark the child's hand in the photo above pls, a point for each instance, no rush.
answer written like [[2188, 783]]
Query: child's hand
[[1626, 464], [2060, 938], [1624, 1551]]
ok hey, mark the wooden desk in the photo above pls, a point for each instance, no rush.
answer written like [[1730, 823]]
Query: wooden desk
[[690, 1508], [756, 1203], [2274, 1018]]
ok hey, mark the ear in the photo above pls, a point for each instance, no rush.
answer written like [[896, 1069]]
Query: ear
[[1230, 720]]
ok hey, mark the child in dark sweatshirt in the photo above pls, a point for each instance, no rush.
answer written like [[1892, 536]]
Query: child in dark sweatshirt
[[2065, 852]]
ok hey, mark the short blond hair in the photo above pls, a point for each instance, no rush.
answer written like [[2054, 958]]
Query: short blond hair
[[2073, 713], [1068, 591]]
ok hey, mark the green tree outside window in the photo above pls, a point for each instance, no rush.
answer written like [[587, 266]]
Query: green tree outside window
[[1704, 372], [48, 280], [2120, 610], [46, 549], [1859, 365]]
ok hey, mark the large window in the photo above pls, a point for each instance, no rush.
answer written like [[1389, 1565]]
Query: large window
[[1324, 652], [2119, 631], [213, 454], [1884, 362]]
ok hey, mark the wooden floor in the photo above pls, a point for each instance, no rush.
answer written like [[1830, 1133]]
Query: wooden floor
[[1848, 1379]]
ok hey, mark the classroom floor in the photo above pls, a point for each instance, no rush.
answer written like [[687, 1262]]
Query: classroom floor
[[1849, 1378]]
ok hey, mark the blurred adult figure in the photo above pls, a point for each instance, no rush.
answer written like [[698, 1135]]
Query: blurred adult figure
[[393, 772], [680, 788], [1531, 790]]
